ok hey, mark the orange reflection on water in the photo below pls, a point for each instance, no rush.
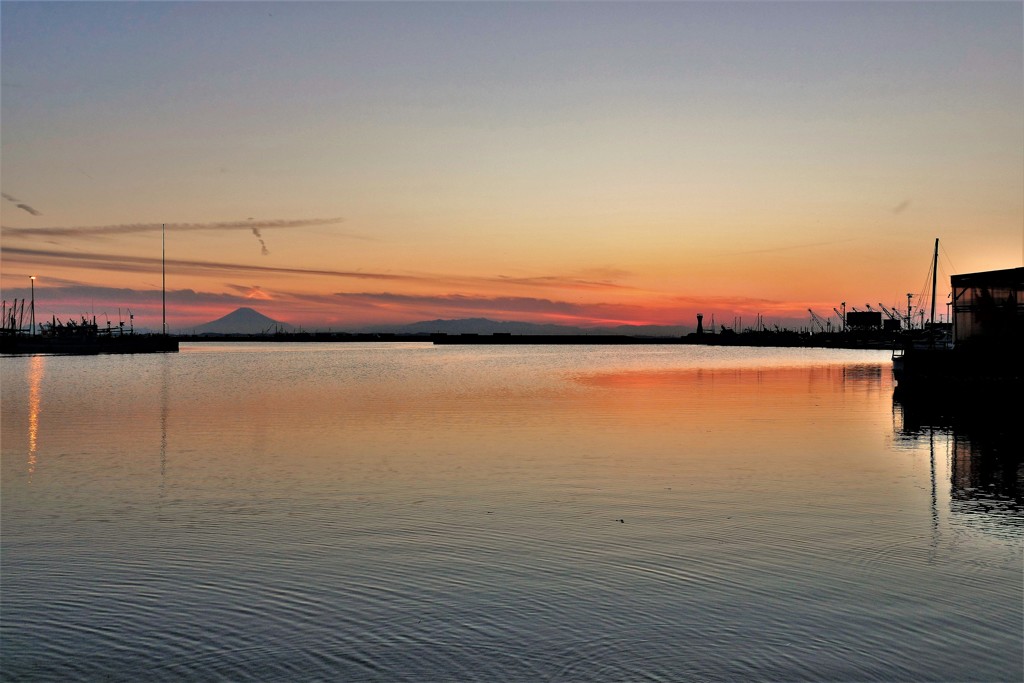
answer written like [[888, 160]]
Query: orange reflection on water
[[740, 411], [795, 379], [35, 380], [409, 419], [787, 394]]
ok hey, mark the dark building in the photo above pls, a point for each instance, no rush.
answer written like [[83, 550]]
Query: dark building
[[864, 320], [988, 308]]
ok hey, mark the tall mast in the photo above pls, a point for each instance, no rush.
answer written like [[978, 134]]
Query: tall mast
[[935, 276], [163, 275]]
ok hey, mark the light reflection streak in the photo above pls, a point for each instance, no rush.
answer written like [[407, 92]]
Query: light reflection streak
[[163, 425], [35, 381], [936, 534]]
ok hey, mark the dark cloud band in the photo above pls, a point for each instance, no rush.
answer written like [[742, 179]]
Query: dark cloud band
[[149, 264]]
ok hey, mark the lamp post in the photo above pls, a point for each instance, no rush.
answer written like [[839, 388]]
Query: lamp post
[[32, 310]]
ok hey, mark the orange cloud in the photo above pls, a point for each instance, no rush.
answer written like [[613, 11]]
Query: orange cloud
[[252, 292]]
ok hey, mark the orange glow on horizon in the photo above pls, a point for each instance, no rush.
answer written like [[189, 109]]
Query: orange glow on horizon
[[668, 290]]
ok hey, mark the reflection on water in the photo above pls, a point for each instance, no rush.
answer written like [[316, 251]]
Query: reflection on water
[[408, 512], [978, 444], [164, 411], [35, 378]]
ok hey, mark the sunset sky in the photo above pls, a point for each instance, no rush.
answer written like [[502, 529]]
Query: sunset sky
[[344, 164]]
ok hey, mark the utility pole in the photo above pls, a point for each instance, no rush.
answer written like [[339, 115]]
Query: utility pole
[[935, 276], [163, 275]]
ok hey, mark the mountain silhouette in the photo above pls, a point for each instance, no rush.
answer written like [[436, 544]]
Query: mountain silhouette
[[242, 321], [248, 321]]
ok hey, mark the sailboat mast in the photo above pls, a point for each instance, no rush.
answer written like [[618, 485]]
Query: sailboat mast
[[935, 276]]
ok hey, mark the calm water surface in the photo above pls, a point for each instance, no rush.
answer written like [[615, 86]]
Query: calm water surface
[[409, 512]]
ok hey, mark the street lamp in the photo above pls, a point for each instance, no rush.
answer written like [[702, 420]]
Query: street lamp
[[32, 279]]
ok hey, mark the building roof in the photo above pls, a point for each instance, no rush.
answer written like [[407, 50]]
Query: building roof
[[1009, 277]]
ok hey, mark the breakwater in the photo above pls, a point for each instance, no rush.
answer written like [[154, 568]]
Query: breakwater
[[839, 340]]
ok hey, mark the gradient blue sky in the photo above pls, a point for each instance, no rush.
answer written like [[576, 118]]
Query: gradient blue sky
[[343, 163]]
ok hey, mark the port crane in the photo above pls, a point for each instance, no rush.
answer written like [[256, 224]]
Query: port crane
[[897, 320], [891, 314], [822, 323], [842, 316]]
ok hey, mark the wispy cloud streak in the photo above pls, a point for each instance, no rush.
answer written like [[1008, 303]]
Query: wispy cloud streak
[[21, 205], [510, 307], [263, 245], [130, 228], [789, 247], [549, 281], [146, 264]]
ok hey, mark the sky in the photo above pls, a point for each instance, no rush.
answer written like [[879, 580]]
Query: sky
[[338, 165]]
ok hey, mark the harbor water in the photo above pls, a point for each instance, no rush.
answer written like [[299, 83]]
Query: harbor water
[[410, 512]]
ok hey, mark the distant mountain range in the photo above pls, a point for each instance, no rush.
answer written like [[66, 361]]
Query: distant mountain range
[[248, 321]]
